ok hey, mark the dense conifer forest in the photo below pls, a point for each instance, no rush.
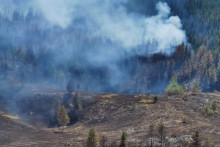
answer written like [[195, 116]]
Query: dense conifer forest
[[31, 59]]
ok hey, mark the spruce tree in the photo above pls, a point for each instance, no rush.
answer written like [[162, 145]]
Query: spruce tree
[[78, 102], [93, 138], [123, 142], [62, 117], [196, 140], [103, 141], [161, 131], [208, 142], [70, 86], [151, 134]]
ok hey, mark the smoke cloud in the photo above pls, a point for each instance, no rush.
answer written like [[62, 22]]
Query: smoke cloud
[[111, 20], [90, 35]]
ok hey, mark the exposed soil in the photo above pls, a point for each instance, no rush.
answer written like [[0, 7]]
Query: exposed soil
[[111, 115]]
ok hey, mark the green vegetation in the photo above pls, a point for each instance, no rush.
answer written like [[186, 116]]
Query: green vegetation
[[93, 138], [123, 142], [103, 141], [185, 96], [62, 117], [208, 111], [155, 99], [162, 133], [214, 106], [208, 142], [174, 88], [185, 119], [211, 109], [78, 102], [196, 86], [196, 140]]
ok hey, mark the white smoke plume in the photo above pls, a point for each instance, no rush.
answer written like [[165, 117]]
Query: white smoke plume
[[90, 34], [109, 18]]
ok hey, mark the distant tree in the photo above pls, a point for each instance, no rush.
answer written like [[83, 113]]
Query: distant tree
[[208, 111], [63, 117], [196, 140], [174, 88], [93, 138], [61, 77], [78, 86], [123, 142], [214, 105], [114, 144], [151, 134], [208, 143], [78, 102], [134, 144], [148, 93], [155, 99], [70, 86], [103, 141], [196, 86], [79, 144], [162, 133]]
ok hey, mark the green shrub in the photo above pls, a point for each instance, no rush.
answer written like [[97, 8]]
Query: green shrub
[[186, 96], [174, 89], [185, 119], [208, 111], [196, 87], [214, 105], [155, 99], [208, 142], [211, 109]]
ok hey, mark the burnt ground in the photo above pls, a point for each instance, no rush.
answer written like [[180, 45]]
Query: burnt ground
[[113, 114], [15, 133]]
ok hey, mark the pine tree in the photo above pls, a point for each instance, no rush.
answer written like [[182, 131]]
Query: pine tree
[[208, 142], [103, 141], [196, 140], [161, 131], [78, 102], [70, 86], [151, 134], [93, 138], [155, 99], [63, 117], [123, 142], [214, 106]]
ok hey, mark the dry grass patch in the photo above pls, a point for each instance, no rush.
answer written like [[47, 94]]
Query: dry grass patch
[[147, 101], [108, 95], [9, 116]]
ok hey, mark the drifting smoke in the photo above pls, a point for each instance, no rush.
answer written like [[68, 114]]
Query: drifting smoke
[[111, 20], [109, 32]]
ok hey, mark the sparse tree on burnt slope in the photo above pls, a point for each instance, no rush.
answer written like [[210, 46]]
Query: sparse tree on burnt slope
[[123, 142], [63, 117], [93, 138]]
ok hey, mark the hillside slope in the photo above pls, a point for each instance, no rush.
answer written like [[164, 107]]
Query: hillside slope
[[15, 133], [111, 114]]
